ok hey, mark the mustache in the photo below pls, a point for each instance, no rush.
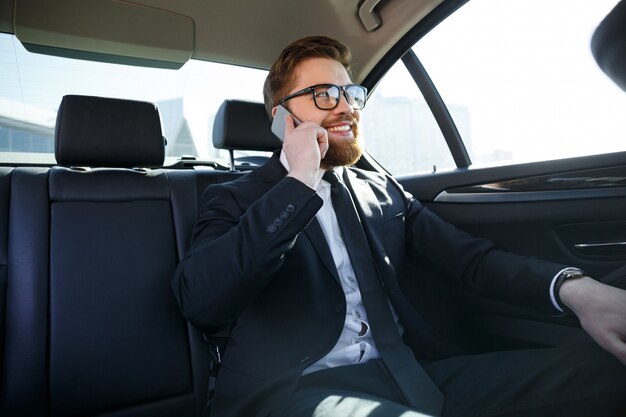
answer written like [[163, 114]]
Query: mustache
[[340, 119]]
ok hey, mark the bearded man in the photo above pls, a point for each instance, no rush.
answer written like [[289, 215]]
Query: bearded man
[[301, 259]]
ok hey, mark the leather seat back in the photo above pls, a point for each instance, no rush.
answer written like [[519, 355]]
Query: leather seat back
[[92, 325]]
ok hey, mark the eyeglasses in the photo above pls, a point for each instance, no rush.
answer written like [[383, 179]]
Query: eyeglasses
[[327, 96]]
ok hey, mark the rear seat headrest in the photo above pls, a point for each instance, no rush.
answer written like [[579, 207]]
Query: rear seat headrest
[[243, 125], [107, 132]]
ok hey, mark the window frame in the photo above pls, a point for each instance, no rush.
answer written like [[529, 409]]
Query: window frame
[[402, 51]]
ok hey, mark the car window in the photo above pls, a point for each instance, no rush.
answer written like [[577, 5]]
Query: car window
[[32, 86], [400, 131], [519, 81]]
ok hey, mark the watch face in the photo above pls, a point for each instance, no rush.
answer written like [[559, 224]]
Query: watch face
[[573, 275]]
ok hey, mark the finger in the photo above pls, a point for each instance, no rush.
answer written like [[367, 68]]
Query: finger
[[611, 340], [617, 347], [289, 124], [322, 141]]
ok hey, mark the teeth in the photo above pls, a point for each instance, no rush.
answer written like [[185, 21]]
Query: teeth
[[343, 128]]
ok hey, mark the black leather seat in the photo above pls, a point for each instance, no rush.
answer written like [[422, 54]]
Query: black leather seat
[[5, 181], [244, 126], [87, 249], [92, 327], [239, 126]]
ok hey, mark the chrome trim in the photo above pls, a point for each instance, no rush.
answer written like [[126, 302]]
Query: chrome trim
[[598, 245], [526, 196]]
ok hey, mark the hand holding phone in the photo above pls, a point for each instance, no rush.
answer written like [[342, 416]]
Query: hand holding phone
[[278, 124], [304, 149]]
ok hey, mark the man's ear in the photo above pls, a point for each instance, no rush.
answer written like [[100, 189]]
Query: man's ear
[[274, 111]]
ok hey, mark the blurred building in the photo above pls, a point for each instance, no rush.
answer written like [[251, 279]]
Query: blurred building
[[402, 134], [25, 128]]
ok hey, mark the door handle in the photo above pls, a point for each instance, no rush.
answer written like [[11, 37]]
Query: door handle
[[602, 248]]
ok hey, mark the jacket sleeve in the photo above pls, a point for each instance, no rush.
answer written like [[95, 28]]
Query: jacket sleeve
[[235, 250], [476, 264]]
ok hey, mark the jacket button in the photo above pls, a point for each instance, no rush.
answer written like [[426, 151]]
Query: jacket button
[[290, 208], [270, 228], [278, 222], [284, 215]]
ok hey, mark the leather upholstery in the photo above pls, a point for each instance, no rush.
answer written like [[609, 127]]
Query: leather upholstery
[[92, 327], [107, 132], [243, 125], [116, 337], [5, 181], [24, 387]]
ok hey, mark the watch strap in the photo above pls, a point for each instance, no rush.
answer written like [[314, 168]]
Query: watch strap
[[566, 274]]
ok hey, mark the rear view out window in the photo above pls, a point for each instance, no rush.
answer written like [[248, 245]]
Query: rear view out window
[[32, 85]]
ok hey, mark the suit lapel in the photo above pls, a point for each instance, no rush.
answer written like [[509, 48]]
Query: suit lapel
[[318, 241], [371, 215], [367, 206]]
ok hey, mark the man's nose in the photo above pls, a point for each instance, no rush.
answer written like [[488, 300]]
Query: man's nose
[[343, 106]]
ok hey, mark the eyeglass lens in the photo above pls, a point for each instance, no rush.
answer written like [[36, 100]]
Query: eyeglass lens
[[328, 96]]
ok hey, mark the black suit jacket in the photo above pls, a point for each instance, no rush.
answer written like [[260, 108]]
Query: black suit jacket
[[259, 262]]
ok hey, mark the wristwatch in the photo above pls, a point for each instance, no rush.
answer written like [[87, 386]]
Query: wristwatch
[[566, 274]]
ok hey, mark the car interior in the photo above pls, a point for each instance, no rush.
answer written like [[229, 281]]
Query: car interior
[[88, 243]]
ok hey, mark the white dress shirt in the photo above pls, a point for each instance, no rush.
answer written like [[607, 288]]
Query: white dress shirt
[[355, 344]]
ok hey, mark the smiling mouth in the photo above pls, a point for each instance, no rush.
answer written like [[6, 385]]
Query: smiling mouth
[[336, 129]]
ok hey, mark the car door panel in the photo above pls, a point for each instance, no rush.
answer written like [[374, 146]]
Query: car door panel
[[571, 211]]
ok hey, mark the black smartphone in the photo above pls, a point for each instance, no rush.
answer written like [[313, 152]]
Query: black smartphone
[[278, 124]]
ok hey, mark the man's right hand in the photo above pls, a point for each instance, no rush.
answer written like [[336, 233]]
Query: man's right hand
[[601, 310], [304, 146]]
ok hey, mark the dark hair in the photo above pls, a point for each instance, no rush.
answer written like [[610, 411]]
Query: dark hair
[[281, 72]]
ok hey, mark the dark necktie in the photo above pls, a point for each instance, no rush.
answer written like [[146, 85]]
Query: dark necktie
[[416, 386]]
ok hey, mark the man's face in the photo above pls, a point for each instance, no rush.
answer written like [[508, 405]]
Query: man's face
[[342, 122]]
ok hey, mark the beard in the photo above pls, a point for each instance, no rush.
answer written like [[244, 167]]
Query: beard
[[343, 152]]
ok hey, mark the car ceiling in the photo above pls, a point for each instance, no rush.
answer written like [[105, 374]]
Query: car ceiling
[[242, 32]]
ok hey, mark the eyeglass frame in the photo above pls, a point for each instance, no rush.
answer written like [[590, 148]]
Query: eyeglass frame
[[312, 88]]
